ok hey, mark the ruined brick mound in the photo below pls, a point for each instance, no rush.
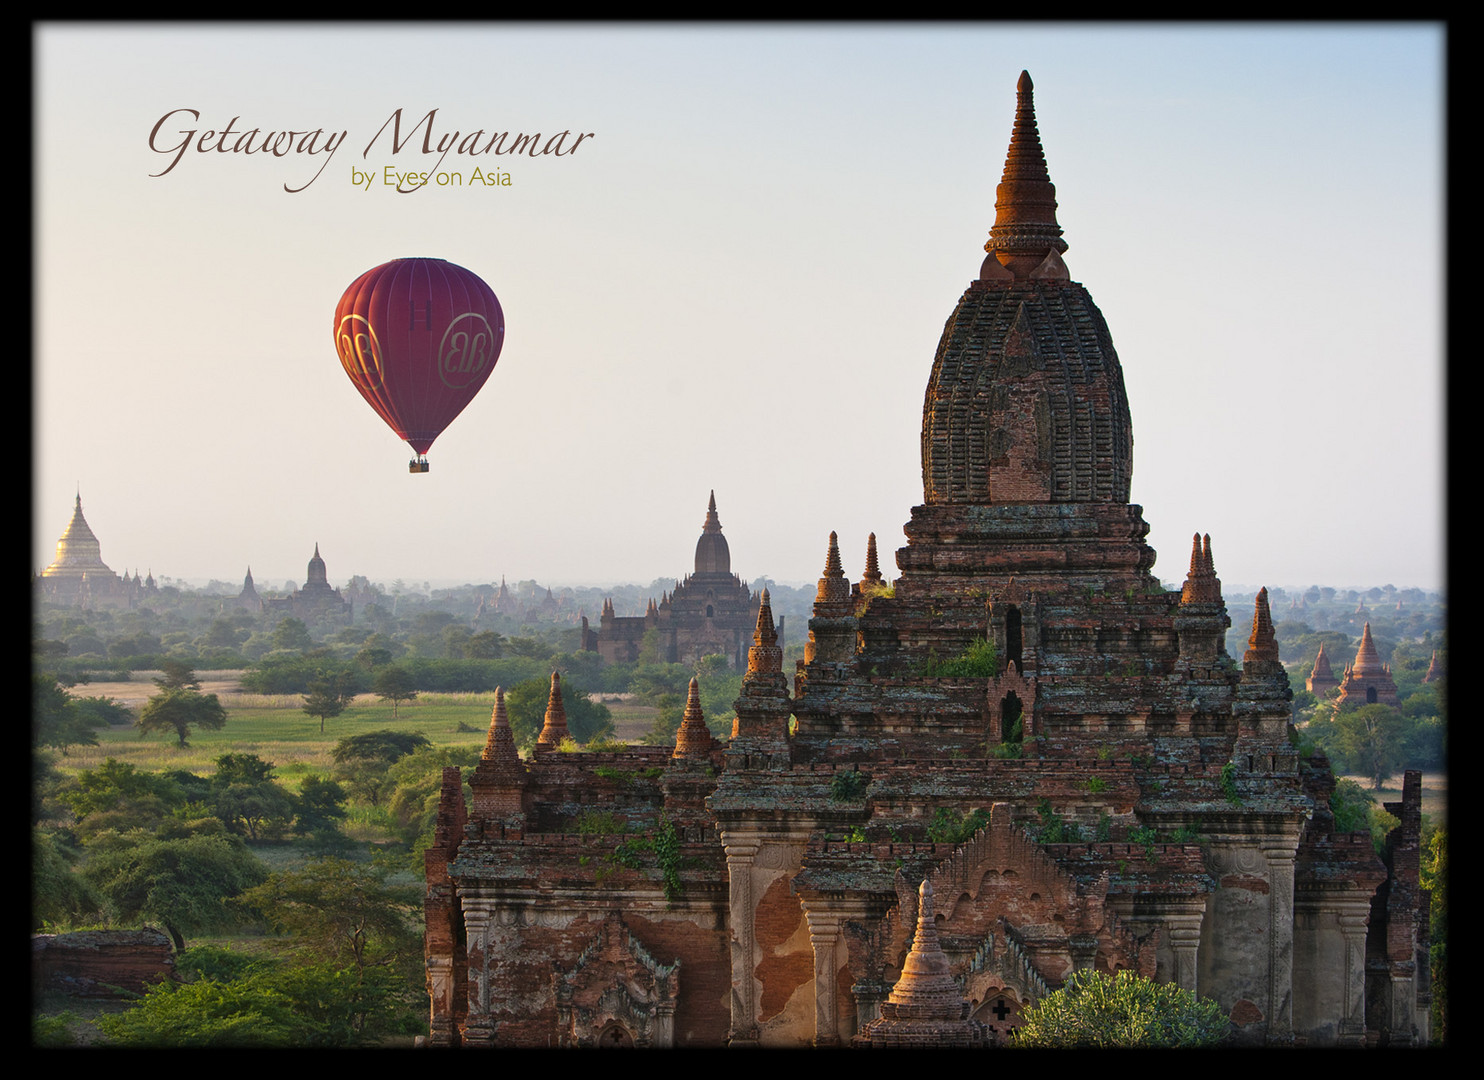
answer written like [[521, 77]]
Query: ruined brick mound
[[100, 963]]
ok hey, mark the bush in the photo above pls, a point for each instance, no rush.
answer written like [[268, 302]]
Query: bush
[[978, 661], [1126, 1010]]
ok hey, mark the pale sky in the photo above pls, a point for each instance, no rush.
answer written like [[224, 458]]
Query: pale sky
[[738, 283]]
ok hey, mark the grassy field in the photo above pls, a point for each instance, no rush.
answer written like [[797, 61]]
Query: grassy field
[[1434, 793], [276, 729]]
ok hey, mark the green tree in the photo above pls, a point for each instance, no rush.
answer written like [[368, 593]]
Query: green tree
[[291, 633], [1126, 1010], [671, 711], [183, 883], [177, 675], [720, 685], [485, 645], [265, 1003], [364, 761], [223, 634], [1372, 740], [319, 808], [328, 697], [1351, 806], [57, 720], [373, 657], [532, 647], [415, 783], [384, 745], [394, 684], [341, 912], [246, 798], [104, 711], [58, 895], [180, 711], [119, 790]]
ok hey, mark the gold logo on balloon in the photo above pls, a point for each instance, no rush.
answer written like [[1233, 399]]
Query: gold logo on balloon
[[360, 351], [467, 351]]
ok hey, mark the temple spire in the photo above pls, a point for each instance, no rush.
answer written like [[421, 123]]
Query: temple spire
[[713, 523], [694, 738], [1263, 644], [499, 747], [1026, 239], [1367, 659], [554, 730], [833, 586], [1202, 586], [873, 569]]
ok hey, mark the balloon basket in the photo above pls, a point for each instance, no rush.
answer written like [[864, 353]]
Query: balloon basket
[[417, 465]]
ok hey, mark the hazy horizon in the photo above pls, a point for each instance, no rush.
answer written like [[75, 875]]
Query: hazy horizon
[[737, 284]]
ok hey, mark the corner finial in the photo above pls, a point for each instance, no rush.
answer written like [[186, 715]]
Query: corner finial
[[1263, 644], [873, 568], [554, 730], [499, 745], [694, 737], [1201, 583], [832, 566]]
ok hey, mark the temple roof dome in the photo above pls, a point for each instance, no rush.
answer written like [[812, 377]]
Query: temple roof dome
[[78, 550], [712, 554]]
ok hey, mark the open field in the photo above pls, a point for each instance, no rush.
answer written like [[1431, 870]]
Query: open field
[[139, 689], [1434, 793], [631, 722], [277, 730]]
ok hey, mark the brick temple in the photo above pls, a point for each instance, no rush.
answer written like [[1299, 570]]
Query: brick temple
[[1020, 758], [711, 612]]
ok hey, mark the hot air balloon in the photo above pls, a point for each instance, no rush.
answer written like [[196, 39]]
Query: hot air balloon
[[418, 337]]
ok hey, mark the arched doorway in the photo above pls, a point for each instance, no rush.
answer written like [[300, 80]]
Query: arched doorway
[[615, 1036], [1011, 728]]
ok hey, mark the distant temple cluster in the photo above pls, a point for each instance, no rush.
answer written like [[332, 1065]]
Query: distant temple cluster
[[78, 576], [711, 612], [317, 599]]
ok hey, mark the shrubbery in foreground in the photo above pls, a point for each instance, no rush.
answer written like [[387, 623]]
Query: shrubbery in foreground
[[1123, 1010]]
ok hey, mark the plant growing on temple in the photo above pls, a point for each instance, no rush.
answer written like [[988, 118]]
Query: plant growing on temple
[[1435, 880], [664, 844], [977, 661], [848, 785], [1229, 783], [1124, 1010], [1053, 829], [950, 828]]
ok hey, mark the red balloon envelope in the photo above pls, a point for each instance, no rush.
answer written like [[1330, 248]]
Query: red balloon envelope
[[419, 337]]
